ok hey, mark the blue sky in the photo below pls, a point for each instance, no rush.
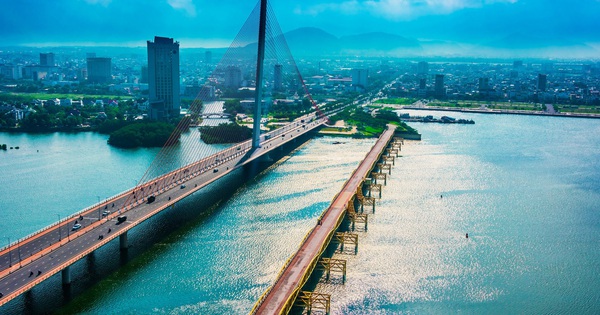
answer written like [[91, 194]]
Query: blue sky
[[210, 23]]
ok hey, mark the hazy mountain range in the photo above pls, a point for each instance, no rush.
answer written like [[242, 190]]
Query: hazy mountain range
[[315, 41], [310, 41]]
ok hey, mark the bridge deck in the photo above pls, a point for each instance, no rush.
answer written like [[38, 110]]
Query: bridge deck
[[35, 258], [279, 297]]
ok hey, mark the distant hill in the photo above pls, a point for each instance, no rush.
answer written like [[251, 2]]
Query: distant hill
[[312, 41], [378, 41]]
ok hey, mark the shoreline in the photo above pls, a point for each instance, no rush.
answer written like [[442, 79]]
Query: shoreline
[[504, 111]]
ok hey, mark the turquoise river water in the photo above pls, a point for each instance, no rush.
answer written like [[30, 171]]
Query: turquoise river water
[[525, 188]]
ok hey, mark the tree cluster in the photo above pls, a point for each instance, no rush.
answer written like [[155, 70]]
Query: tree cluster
[[225, 133], [142, 134]]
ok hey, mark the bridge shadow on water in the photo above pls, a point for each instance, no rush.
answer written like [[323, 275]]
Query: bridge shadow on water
[[52, 297]]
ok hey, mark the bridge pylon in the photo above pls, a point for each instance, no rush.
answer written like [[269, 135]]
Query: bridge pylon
[[262, 26]]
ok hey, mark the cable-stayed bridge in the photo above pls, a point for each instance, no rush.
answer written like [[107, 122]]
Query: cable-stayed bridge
[[258, 58]]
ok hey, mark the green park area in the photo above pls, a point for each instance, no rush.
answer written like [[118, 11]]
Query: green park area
[[369, 125], [396, 101], [521, 106]]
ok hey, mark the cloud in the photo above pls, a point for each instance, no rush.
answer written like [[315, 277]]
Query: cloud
[[397, 9], [187, 5]]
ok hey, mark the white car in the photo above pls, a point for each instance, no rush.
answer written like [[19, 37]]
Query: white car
[[76, 227]]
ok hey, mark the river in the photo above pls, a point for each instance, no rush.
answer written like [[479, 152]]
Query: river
[[525, 188]]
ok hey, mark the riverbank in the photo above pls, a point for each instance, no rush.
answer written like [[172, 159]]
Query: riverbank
[[499, 111]]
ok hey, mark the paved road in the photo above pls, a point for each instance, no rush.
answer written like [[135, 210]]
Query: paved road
[[35, 258], [290, 281]]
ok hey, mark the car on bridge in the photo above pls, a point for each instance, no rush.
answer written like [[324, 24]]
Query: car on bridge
[[182, 186], [105, 213], [76, 227]]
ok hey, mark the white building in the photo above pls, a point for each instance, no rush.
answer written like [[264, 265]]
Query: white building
[[360, 77]]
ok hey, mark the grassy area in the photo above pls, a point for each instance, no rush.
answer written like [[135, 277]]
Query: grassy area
[[336, 129], [397, 101], [579, 109], [490, 105], [526, 106]]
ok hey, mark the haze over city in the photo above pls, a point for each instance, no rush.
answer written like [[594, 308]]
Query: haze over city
[[228, 157], [505, 28]]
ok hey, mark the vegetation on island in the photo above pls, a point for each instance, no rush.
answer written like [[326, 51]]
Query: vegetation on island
[[142, 134], [224, 133], [369, 125]]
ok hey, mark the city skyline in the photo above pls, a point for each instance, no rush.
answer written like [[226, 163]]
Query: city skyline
[[499, 24]]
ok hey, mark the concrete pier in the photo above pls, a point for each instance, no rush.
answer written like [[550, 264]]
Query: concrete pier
[[123, 244]]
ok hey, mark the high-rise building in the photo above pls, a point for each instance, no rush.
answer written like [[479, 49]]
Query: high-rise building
[[439, 89], [82, 74], [422, 68], [99, 69], [277, 78], [47, 60], [12, 72], [484, 85], [233, 77], [144, 76], [541, 82], [360, 77], [163, 78]]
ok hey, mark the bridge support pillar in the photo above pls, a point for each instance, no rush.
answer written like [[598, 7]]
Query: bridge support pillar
[[345, 237], [123, 244], [314, 301], [330, 264], [66, 276], [380, 175]]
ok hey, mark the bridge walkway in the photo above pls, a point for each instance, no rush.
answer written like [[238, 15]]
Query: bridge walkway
[[279, 298]]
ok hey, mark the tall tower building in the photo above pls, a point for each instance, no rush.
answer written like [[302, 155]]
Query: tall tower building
[[144, 76], [233, 77], [484, 85], [422, 68], [47, 60], [439, 89], [277, 79], [541, 82], [360, 77], [163, 78], [99, 70]]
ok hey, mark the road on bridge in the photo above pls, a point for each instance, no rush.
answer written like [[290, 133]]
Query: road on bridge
[[37, 257]]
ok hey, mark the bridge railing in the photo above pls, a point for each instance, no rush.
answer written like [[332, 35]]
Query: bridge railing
[[245, 145], [66, 218], [289, 302]]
